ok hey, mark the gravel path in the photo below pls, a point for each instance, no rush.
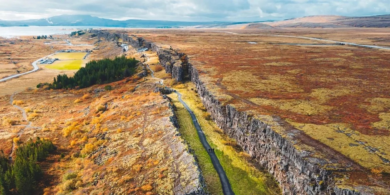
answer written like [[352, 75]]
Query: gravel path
[[22, 130]]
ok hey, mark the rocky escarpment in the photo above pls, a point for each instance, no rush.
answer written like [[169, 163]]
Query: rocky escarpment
[[200, 190], [187, 175], [298, 171], [174, 62], [108, 36]]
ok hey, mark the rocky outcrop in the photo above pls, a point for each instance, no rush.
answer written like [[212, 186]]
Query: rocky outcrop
[[268, 148], [200, 190], [174, 62], [143, 72], [108, 36], [296, 170], [292, 168]]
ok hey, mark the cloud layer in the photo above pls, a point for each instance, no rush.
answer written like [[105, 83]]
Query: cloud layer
[[192, 10]]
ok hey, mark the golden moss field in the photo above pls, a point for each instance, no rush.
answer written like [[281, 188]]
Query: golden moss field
[[68, 61]]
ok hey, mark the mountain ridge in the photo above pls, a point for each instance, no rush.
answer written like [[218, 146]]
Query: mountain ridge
[[334, 21], [318, 21], [87, 20]]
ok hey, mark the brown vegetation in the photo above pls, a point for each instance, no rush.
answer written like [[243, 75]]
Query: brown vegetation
[[104, 139], [335, 94]]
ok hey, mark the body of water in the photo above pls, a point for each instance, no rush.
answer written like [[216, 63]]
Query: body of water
[[10, 32]]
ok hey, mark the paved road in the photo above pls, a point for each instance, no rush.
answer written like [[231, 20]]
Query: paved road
[[34, 64], [226, 187]]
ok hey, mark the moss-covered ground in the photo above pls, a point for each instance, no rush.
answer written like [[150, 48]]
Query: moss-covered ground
[[243, 176], [66, 65], [67, 61]]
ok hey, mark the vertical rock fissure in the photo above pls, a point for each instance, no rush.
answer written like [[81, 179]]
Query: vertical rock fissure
[[294, 173]]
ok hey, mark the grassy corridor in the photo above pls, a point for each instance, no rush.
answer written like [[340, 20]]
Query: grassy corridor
[[188, 132], [244, 178]]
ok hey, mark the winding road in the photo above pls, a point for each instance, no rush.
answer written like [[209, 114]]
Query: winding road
[[226, 187], [34, 64]]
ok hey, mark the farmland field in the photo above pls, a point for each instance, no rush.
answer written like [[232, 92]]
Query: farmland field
[[67, 61], [66, 65]]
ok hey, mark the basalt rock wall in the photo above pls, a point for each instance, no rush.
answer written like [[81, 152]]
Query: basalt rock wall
[[108, 36], [174, 62], [295, 173]]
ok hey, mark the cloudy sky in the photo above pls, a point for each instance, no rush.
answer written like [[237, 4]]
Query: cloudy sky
[[191, 10]]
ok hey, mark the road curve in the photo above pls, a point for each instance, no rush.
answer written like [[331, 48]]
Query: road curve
[[34, 64], [226, 187]]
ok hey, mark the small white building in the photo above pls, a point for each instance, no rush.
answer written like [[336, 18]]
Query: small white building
[[125, 47]]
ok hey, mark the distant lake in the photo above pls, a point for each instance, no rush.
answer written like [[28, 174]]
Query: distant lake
[[9, 32]]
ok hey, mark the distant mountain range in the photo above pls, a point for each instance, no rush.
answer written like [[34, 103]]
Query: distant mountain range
[[382, 21], [86, 20]]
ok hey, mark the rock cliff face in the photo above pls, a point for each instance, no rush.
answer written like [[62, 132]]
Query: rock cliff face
[[195, 185], [296, 172], [173, 62], [107, 36], [268, 148]]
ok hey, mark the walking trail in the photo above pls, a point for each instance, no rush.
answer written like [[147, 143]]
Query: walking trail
[[226, 187]]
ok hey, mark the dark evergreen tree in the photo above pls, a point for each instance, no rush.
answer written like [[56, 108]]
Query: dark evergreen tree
[[25, 173], [97, 72]]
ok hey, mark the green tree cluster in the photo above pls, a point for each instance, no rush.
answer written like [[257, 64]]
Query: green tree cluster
[[97, 72], [79, 33], [23, 175], [42, 37]]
